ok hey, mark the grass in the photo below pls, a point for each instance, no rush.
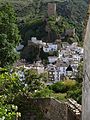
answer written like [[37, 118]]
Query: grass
[[60, 96]]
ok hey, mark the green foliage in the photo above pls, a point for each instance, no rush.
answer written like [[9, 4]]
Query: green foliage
[[43, 93], [7, 112], [43, 55], [8, 24], [33, 81], [58, 87], [7, 81], [44, 76], [9, 35], [9, 85], [13, 88], [60, 25], [67, 89], [70, 83], [8, 53], [63, 87], [75, 94], [79, 75], [30, 53], [73, 11], [31, 15], [37, 27], [34, 27]]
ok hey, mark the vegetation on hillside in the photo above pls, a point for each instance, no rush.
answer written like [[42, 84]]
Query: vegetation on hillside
[[74, 12], [32, 22], [9, 35], [70, 88], [13, 87]]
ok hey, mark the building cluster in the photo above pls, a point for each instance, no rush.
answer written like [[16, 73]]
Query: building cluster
[[65, 64], [63, 58]]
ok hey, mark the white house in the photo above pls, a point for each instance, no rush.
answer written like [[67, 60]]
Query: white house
[[76, 57], [62, 70], [50, 47], [69, 71], [35, 41], [53, 73], [52, 59]]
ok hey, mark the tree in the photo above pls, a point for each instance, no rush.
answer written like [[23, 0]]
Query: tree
[[13, 90], [79, 75], [33, 81], [9, 35], [7, 81]]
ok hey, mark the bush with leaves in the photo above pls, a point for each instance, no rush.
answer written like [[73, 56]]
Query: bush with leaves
[[63, 86], [71, 88], [75, 94], [13, 87], [9, 35], [43, 93], [58, 87], [7, 93]]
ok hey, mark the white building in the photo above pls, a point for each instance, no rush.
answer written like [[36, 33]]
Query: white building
[[53, 74], [52, 59], [50, 47], [35, 41], [61, 67]]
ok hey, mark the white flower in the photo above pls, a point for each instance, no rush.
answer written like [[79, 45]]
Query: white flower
[[3, 118]]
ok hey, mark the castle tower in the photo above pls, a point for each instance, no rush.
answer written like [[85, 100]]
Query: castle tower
[[86, 79], [51, 9]]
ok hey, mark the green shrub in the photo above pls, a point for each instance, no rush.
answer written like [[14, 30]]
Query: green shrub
[[43, 93], [64, 86], [58, 87], [70, 84], [76, 95]]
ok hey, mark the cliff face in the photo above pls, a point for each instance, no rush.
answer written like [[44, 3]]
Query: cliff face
[[86, 80]]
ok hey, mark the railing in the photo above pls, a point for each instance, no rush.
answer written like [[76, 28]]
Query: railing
[[75, 108]]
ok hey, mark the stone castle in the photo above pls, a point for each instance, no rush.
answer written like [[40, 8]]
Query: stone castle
[[51, 9]]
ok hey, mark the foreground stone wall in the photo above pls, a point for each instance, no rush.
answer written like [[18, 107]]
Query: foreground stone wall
[[46, 109], [72, 116], [43, 109]]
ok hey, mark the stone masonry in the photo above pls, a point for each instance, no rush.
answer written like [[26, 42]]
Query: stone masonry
[[86, 80], [45, 109]]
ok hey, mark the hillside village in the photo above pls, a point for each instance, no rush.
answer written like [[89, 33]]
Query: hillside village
[[41, 61], [63, 58], [64, 64]]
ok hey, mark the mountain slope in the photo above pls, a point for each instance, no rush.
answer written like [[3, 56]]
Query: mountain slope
[[74, 11]]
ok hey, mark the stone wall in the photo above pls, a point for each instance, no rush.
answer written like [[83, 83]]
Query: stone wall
[[72, 116], [86, 78], [43, 109]]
